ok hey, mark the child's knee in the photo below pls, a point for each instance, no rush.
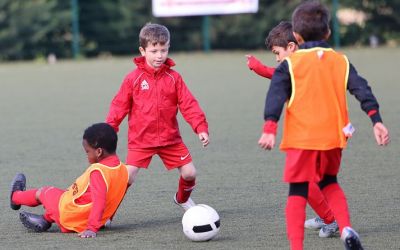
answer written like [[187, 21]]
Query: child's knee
[[188, 172], [38, 193]]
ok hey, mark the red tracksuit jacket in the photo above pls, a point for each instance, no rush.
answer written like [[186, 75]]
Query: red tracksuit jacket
[[151, 100]]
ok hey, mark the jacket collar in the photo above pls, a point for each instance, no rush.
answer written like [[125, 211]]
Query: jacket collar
[[313, 44], [141, 64]]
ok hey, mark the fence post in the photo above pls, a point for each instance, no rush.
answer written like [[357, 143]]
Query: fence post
[[336, 35], [206, 33], [75, 28]]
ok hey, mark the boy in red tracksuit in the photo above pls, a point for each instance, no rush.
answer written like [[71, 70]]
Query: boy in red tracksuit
[[282, 43], [313, 82], [151, 96], [90, 201]]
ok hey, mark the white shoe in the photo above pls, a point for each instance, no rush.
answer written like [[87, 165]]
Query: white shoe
[[351, 239], [186, 205], [107, 225], [329, 230], [314, 223]]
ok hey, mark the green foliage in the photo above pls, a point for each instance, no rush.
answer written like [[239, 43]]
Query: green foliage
[[34, 28], [110, 26], [31, 28], [383, 21]]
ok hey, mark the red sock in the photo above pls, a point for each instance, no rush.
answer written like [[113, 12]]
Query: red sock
[[26, 198], [318, 203], [184, 190], [338, 203], [295, 217], [48, 218]]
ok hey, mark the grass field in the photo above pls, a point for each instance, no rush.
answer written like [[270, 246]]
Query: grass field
[[45, 108]]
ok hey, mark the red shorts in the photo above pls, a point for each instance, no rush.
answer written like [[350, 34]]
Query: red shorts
[[50, 198], [311, 165], [173, 156]]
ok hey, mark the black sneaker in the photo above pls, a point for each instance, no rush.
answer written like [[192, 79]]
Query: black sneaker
[[17, 184], [34, 222], [351, 239]]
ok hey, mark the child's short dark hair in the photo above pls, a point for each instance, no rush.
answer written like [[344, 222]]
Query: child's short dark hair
[[153, 33], [281, 35], [101, 135], [311, 21]]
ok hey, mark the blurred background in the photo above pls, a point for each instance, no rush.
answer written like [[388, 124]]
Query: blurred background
[[35, 29]]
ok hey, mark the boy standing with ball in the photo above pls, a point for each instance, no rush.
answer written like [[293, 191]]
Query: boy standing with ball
[[313, 82], [151, 96]]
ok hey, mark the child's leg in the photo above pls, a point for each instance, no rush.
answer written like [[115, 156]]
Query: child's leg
[[49, 197], [133, 172], [27, 198], [178, 156], [187, 181], [336, 199], [318, 203], [296, 214], [334, 195]]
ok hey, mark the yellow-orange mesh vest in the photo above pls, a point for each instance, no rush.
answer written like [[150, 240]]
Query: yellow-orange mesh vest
[[317, 111], [74, 216]]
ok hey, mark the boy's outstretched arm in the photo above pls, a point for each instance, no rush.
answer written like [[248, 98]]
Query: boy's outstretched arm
[[279, 91], [359, 87], [381, 134], [191, 110], [98, 191], [254, 64]]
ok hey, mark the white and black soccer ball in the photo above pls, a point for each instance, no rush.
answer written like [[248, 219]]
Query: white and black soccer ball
[[201, 223]]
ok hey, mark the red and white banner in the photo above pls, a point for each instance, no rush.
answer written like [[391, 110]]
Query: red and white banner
[[170, 8]]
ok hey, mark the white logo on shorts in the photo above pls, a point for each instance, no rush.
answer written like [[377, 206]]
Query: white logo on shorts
[[184, 157]]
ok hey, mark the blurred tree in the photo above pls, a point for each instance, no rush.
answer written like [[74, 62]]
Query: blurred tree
[[29, 29], [383, 21], [35, 28], [111, 26], [248, 31]]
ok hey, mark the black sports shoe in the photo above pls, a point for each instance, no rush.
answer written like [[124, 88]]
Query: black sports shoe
[[17, 184], [34, 222], [351, 239]]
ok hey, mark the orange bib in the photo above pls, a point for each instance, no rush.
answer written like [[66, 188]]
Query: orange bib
[[75, 216], [317, 111]]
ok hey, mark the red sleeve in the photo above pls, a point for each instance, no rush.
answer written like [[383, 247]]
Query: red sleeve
[[121, 104], [190, 108], [98, 191], [264, 71], [270, 127], [260, 68]]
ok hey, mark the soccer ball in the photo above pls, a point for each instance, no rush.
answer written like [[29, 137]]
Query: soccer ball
[[200, 223]]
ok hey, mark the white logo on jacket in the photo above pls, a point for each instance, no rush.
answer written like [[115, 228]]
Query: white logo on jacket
[[144, 85]]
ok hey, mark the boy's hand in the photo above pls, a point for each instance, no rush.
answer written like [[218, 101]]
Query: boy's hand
[[252, 62], [203, 136], [267, 141], [87, 234], [381, 134]]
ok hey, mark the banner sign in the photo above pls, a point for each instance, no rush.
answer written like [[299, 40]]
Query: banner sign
[[171, 8]]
